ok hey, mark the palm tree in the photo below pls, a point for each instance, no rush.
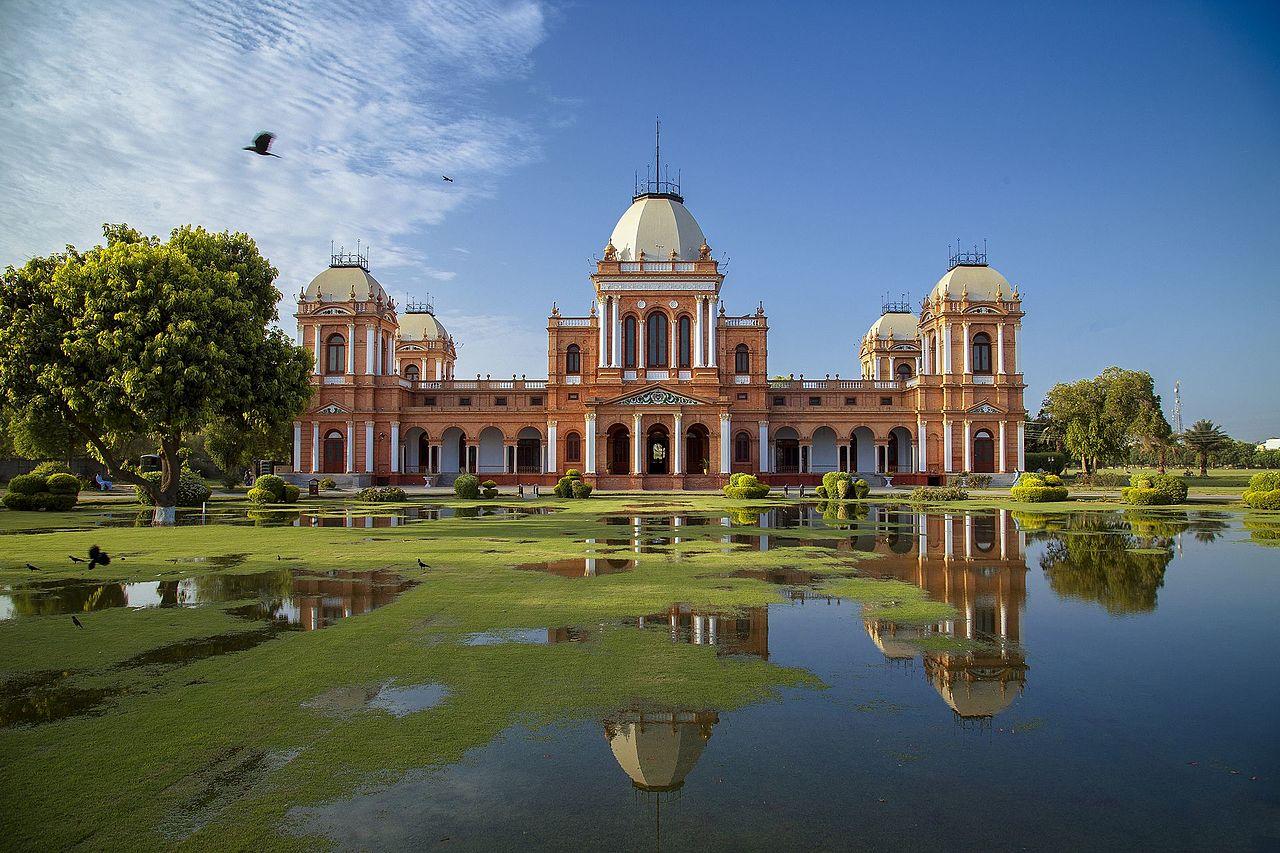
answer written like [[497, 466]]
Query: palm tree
[[1205, 437]]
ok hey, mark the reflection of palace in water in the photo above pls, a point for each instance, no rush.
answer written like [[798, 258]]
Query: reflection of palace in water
[[977, 564], [658, 749]]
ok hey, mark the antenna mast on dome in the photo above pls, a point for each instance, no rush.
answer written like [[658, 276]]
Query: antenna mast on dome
[[657, 185]]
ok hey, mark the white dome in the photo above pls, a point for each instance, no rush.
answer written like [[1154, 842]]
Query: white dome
[[983, 284], [659, 750], [336, 284], [656, 224], [902, 326], [421, 326]]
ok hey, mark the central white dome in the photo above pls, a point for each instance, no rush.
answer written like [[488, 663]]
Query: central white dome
[[656, 224]]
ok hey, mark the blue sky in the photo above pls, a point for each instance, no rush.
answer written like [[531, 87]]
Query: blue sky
[[1122, 160]]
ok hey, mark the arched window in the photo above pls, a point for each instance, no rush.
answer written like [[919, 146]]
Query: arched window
[[573, 359], [629, 342], [655, 335], [741, 359], [742, 447], [411, 373], [572, 447], [904, 371], [684, 331], [336, 354], [981, 353]]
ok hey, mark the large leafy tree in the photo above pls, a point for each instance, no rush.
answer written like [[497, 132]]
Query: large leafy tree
[[149, 341], [1099, 419], [1205, 438]]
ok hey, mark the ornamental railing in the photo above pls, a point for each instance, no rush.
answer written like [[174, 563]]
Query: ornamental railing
[[836, 385], [476, 384]]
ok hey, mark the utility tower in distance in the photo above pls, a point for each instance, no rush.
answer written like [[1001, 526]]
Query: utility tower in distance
[[1177, 406]]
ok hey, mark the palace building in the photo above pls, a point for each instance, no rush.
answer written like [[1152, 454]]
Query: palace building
[[659, 387]]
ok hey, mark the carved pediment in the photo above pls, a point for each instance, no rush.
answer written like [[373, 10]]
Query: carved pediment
[[985, 408], [657, 396], [332, 311], [332, 409], [911, 347], [981, 309]]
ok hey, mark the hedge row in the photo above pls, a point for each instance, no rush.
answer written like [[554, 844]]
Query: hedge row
[[1154, 490], [57, 492], [1039, 488], [270, 489]]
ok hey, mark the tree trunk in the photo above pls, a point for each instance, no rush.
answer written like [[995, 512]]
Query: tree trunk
[[170, 472], [1204, 464], [1084, 464], [1160, 457]]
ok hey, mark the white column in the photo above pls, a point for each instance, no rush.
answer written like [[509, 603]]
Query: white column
[[948, 536], [297, 445], [712, 320], [967, 348], [968, 448], [1000, 459], [552, 461], [946, 446], [922, 441], [764, 447], [368, 446], [924, 355], [1000, 348], [725, 443], [422, 368], [637, 444], [677, 444], [319, 363], [673, 338], [351, 348], [315, 447], [395, 448], [699, 304], [946, 348], [351, 447], [590, 466], [602, 318], [368, 350], [875, 367], [1022, 446], [617, 333]]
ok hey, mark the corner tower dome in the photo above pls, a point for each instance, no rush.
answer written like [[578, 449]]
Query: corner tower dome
[[981, 282], [657, 224], [347, 278]]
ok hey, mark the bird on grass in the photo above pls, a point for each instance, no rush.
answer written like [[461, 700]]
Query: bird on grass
[[32, 568], [77, 622], [262, 144], [422, 565], [98, 557]]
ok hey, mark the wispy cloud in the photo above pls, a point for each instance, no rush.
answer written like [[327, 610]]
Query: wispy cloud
[[137, 112]]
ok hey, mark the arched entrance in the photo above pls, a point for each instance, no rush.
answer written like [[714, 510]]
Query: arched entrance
[[618, 455], [529, 451], [899, 451], [984, 453], [786, 451], [453, 451], [489, 460], [862, 449], [657, 450], [824, 456], [697, 458], [335, 453], [415, 451]]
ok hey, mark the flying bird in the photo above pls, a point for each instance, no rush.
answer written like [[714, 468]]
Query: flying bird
[[77, 622], [447, 179], [262, 144], [98, 557]]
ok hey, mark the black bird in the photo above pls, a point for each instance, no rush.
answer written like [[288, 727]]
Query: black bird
[[77, 622], [98, 557], [422, 565], [32, 568], [262, 144], [447, 179], [73, 558]]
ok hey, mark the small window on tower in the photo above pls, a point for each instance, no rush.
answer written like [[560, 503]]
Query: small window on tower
[[815, 401], [464, 401], [499, 401], [886, 401], [535, 401], [573, 396], [428, 401], [851, 401], [779, 400], [742, 395]]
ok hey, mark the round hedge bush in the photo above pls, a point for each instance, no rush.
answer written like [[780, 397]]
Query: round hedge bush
[[47, 469], [1143, 496], [261, 496], [581, 489], [34, 492], [28, 484], [64, 484], [467, 486], [1263, 491], [1037, 488], [746, 486]]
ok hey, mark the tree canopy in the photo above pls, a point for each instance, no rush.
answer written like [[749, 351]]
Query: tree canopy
[[1205, 437], [1099, 419], [144, 341]]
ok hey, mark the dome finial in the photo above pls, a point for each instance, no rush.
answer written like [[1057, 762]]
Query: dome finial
[[704, 251], [610, 251]]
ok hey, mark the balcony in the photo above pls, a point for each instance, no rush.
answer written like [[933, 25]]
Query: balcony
[[475, 385], [659, 266], [836, 385], [575, 321], [737, 322]]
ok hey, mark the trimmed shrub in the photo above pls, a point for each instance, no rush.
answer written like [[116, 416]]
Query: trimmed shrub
[[736, 479], [64, 484], [1265, 481], [861, 489], [563, 488], [1174, 488], [1143, 496], [292, 493], [979, 481], [1106, 479], [1263, 491], [573, 474], [1034, 488], [261, 496], [581, 489], [937, 494], [29, 484], [1052, 462], [381, 494], [489, 489], [58, 502], [191, 489], [328, 483], [47, 469], [747, 487], [821, 491], [467, 486], [272, 484], [19, 501]]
